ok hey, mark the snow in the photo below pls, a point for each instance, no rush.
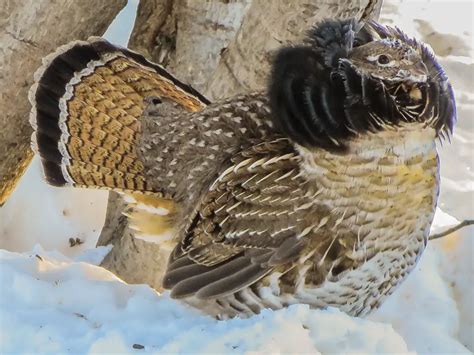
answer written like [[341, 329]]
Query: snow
[[68, 306], [37, 213], [55, 299]]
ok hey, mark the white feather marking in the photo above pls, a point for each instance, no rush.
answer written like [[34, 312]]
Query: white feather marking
[[256, 164], [151, 209], [305, 232], [267, 176], [320, 262], [241, 164]]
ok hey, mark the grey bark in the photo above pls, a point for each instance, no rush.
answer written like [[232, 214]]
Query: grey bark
[[245, 65], [153, 33], [203, 52], [29, 30], [187, 36]]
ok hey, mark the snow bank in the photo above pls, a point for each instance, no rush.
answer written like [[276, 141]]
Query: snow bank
[[57, 306], [37, 213], [62, 304]]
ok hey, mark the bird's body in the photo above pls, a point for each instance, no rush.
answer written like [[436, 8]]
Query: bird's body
[[358, 219], [299, 196], [340, 224]]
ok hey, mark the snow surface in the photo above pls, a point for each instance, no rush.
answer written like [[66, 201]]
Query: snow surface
[[67, 306], [54, 299]]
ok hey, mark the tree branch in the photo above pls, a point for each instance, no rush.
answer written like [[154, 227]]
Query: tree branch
[[448, 231]]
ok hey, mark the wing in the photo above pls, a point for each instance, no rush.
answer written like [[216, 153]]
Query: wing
[[252, 220]]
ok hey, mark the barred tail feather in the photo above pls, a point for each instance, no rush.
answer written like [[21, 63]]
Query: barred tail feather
[[86, 102]]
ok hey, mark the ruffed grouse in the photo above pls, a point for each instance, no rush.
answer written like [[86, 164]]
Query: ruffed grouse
[[319, 191]]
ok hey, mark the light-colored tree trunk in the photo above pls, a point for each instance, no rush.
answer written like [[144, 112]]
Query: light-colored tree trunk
[[244, 66], [222, 48], [29, 30], [187, 36]]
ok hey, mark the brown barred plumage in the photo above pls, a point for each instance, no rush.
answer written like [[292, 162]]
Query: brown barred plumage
[[90, 96], [321, 191]]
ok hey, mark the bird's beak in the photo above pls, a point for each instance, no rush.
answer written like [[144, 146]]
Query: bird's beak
[[419, 74]]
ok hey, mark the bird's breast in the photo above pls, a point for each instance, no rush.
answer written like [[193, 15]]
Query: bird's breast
[[389, 175], [385, 191]]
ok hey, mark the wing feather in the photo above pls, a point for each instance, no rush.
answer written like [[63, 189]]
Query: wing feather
[[244, 227]]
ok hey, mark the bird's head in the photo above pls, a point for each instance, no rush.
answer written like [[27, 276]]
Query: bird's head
[[352, 78], [390, 60]]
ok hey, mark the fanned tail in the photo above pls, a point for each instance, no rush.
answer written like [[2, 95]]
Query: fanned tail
[[87, 99], [86, 103]]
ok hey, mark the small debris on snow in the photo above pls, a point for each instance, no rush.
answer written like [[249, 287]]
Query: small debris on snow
[[75, 241]]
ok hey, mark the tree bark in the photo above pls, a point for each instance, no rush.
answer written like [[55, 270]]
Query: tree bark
[[153, 34], [29, 30], [187, 36], [244, 67], [204, 53]]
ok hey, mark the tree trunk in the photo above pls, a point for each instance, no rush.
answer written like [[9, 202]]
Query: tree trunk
[[29, 30], [187, 36], [244, 66], [222, 48]]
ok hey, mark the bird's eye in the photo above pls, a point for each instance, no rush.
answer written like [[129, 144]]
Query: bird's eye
[[383, 59]]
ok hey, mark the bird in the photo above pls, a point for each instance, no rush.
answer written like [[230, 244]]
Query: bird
[[319, 189]]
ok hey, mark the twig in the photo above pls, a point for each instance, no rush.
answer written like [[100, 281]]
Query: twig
[[464, 223]]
